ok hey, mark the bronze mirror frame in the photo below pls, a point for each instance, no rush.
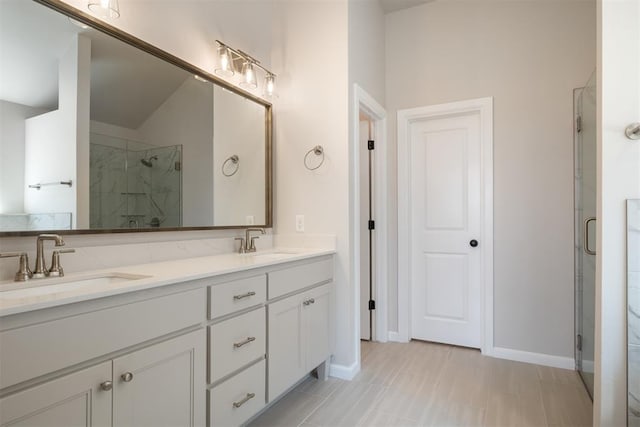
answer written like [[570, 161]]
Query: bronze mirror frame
[[72, 12]]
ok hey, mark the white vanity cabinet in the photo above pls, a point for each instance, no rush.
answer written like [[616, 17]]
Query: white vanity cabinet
[[210, 351], [300, 323], [112, 362], [159, 385], [72, 400], [237, 349]]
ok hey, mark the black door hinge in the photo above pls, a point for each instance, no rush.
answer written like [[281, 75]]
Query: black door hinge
[[372, 304], [579, 124], [371, 144], [372, 224], [579, 342]]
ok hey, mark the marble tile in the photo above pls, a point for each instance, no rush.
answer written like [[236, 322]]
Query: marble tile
[[35, 221], [634, 380]]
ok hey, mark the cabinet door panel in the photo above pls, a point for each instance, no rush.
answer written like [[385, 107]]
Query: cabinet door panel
[[317, 315], [167, 386], [286, 358], [73, 400]]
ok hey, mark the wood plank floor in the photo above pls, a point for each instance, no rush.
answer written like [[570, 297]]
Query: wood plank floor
[[425, 384]]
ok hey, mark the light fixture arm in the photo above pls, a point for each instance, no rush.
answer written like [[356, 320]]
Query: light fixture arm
[[247, 58]]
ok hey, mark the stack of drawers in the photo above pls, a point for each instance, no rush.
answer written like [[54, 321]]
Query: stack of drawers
[[237, 349]]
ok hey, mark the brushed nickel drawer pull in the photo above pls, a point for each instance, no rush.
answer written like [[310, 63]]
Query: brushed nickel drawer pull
[[312, 301], [241, 343], [248, 397], [247, 295], [127, 377], [106, 386]]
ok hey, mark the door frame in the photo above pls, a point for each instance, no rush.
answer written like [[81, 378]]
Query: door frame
[[362, 101], [483, 106]]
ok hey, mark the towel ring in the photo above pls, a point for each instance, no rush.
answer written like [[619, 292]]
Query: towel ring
[[234, 160], [318, 151]]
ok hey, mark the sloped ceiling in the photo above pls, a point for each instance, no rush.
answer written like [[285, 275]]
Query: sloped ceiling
[[127, 85]]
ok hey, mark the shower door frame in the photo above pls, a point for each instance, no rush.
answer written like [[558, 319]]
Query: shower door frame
[[577, 200]]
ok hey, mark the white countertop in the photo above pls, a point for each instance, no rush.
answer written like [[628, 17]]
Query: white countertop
[[18, 298]]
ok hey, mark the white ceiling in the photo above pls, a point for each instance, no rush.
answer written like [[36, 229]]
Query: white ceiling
[[393, 5], [126, 84]]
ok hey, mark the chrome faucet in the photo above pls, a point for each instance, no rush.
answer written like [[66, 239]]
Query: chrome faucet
[[41, 269], [248, 243]]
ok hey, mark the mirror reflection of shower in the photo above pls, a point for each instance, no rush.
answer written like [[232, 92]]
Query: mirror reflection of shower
[[134, 184], [149, 162]]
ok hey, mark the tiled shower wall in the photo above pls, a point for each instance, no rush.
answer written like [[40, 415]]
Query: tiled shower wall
[[633, 313], [124, 193]]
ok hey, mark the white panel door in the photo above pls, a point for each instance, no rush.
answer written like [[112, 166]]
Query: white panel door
[[445, 218]]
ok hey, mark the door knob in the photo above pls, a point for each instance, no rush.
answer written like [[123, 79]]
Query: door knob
[[473, 243], [106, 386], [126, 377]]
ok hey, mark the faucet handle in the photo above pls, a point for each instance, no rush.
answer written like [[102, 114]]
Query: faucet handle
[[242, 248], [24, 273], [56, 269], [252, 245]]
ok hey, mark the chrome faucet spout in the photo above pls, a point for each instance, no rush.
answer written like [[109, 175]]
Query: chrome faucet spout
[[41, 269]]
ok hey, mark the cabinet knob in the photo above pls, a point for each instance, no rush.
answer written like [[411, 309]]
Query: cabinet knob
[[106, 386], [126, 377]]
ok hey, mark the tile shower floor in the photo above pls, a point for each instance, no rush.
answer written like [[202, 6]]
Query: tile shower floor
[[425, 384]]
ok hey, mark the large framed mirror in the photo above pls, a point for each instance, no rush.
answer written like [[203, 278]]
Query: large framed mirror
[[102, 132]]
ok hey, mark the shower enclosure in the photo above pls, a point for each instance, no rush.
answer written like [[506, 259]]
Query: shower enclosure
[[585, 232], [134, 185]]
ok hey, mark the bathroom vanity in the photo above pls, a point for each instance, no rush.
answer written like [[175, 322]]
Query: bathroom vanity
[[193, 342]]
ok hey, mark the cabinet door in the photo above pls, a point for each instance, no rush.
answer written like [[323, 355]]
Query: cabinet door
[[73, 400], [285, 358], [316, 315], [161, 385]]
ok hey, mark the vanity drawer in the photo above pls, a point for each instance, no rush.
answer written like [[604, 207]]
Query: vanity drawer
[[226, 298], [236, 342], [239, 398], [38, 349], [293, 279]]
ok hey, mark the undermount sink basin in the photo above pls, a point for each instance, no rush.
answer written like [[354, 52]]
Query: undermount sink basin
[[53, 286]]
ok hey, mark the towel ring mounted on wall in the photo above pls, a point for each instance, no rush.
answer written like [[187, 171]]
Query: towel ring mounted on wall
[[235, 160], [318, 151]]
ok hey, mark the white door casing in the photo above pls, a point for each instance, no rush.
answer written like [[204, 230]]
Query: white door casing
[[445, 287]]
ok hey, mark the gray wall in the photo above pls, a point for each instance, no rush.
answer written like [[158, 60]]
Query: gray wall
[[528, 55]]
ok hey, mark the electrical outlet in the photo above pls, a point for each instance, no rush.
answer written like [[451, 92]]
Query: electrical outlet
[[250, 220], [300, 223]]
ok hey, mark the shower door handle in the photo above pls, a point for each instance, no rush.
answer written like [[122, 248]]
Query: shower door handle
[[586, 236]]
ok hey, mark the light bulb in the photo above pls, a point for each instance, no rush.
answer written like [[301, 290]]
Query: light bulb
[[226, 62], [104, 8], [249, 76], [269, 84]]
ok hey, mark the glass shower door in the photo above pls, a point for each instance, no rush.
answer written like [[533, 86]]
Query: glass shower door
[[585, 232]]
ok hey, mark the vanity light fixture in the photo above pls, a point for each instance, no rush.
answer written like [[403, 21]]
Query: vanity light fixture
[[227, 67], [248, 76], [230, 59], [105, 8], [269, 85]]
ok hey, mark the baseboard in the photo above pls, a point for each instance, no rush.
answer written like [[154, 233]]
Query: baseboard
[[344, 372], [536, 358], [588, 366], [395, 337]]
